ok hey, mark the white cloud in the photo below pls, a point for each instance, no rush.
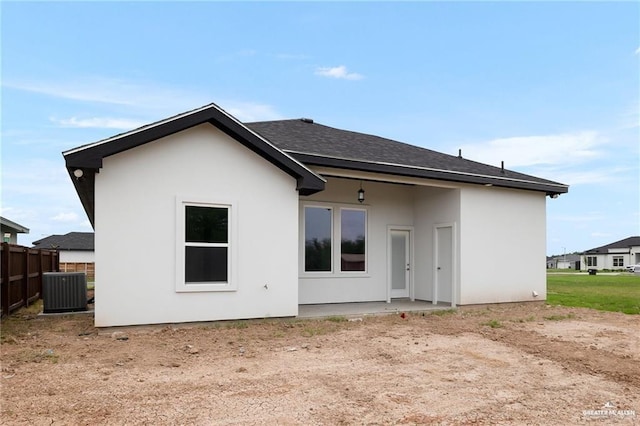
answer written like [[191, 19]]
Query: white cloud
[[561, 149], [637, 52], [291, 56], [631, 117], [340, 72], [150, 101], [585, 217], [582, 177], [116, 92], [66, 217], [601, 234], [250, 111], [23, 216], [99, 122]]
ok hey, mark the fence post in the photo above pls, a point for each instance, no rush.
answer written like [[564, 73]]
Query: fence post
[[40, 272], [25, 277], [4, 291]]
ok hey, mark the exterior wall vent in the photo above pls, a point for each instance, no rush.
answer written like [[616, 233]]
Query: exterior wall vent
[[64, 292]]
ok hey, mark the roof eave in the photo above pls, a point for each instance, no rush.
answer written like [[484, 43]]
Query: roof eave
[[89, 158], [15, 226], [551, 189]]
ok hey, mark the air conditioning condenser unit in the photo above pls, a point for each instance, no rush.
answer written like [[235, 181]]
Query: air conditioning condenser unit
[[64, 292]]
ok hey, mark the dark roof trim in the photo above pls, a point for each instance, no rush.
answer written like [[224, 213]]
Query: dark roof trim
[[88, 158], [428, 173], [626, 243]]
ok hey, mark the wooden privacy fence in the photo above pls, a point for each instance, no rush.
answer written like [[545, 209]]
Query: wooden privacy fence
[[88, 268], [21, 275]]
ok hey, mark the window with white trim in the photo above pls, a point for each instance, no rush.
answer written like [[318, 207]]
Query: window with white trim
[[322, 227], [592, 261], [618, 261], [203, 252], [353, 226], [318, 240]]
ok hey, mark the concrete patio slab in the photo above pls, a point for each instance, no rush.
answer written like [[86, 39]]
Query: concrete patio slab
[[368, 308]]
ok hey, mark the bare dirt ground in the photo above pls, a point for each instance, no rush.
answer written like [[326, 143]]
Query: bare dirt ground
[[516, 364]]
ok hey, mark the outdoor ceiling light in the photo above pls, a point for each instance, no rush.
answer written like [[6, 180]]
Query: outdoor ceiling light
[[361, 193], [78, 173]]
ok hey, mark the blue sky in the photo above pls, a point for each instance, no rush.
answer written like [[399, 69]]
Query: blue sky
[[552, 89]]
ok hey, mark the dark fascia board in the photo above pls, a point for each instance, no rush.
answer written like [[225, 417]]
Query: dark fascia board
[[626, 243], [85, 187], [550, 188], [88, 158]]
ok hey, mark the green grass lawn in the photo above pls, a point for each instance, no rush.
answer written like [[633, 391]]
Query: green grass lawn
[[616, 293]]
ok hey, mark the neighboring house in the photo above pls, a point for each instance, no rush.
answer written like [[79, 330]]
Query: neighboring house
[[614, 256], [205, 218], [565, 261], [10, 231], [552, 262], [76, 251]]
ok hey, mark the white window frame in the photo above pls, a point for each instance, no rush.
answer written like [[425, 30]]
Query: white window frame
[[338, 259], [336, 241], [304, 239], [619, 260], [232, 283]]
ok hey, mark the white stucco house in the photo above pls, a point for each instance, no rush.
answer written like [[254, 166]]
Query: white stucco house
[[565, 261], [230, 220], [616, 255], [75, 250]]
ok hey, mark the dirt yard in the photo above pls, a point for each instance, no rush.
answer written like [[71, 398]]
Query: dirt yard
[[517, 364]]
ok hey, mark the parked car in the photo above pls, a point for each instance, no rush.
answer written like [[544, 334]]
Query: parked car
[[633, 268]]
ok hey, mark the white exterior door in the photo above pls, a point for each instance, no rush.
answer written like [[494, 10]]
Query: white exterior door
[[444, 265], [400, 262]]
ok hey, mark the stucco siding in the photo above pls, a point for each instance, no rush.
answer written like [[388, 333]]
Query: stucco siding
[[386, 205], [606, 261], [433, 206], [76, 256], [135, 224], [502, 245]]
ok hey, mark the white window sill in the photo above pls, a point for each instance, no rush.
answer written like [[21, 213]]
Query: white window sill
[[193, 288], [336, 275]]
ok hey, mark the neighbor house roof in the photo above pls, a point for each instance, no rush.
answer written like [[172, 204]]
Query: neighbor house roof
[[626, 243], [316, 144], [87, 159], [77, 241], [15, 227], [568, 257]]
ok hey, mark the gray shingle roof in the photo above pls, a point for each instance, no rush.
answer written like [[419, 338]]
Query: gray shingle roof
[[313, 143], [80, 241], [626, 243]]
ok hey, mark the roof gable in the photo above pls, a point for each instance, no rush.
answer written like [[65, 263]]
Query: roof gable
[[86, 160], [316, 144]]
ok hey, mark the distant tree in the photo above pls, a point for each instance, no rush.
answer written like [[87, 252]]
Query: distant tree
[[317, 255], [353, 246]]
